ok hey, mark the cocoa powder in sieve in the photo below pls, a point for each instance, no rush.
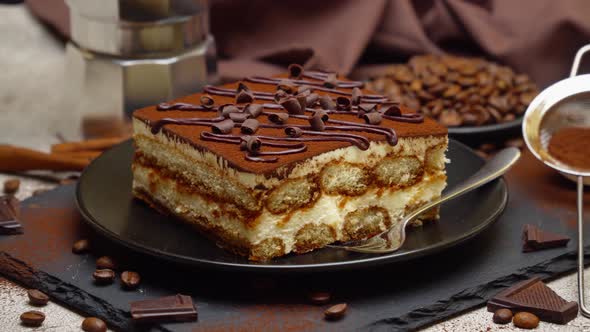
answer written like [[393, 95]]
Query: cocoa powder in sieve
[[571, 145]]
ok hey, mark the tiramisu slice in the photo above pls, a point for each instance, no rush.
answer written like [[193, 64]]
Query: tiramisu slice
[[270, 166]]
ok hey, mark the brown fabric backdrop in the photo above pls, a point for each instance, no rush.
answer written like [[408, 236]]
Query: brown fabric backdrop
[[537, 37]]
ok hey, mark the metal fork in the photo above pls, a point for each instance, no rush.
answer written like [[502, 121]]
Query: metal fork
[[393, 239]]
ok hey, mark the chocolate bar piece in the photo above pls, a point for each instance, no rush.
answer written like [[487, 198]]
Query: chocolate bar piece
[[535, 297], [174, 308], [9, 213], [534, 239]]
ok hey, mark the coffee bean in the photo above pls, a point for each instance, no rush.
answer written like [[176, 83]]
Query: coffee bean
[[488, 147], [11, 186], [516, 143], [104, 276], [525, 320], [502, 316], [32, 318], [80, 246], [105, 262], [336, 311], [319, 297], [36, 297], [450, 119], [130, 279], [93, 324]]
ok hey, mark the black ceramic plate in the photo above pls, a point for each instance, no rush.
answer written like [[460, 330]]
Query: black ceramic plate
[[473, 136], [104, 199]]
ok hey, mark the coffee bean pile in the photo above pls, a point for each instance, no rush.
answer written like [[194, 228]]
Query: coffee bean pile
[[458, 91]]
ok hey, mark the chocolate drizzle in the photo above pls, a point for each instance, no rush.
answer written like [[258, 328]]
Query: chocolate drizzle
[[295, 96]]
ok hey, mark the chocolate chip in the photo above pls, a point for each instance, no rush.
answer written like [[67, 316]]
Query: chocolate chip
[[239, 117], [36, 297], [226, 110], [244, 97], [331, 81], [312, 99], [206, 101], [356, 96], [502, 316], [525, 320], [278, 118], [327, 103], [336, 312], [93, 324], [373, 118], [295, 71], [343, 103], [304, 89], [392, 110], [11, 186], [367, 108], [242, 87], [293, 131], [250, 144], [286, 86], [81, 246], [106, 262], [292, 106], [32, 318], [319, 298], [250, 126], [104, 276], [254, 110], [322, 115], [302, 99], [223, 127], [317, 123], [130, 279], [280, 95]]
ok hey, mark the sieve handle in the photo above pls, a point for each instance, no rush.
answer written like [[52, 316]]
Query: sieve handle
[[578, 59]]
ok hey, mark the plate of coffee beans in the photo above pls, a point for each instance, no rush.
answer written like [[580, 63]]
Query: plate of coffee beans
[[473, 97]]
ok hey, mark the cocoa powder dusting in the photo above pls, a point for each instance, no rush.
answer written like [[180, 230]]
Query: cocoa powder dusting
[[570, 146]]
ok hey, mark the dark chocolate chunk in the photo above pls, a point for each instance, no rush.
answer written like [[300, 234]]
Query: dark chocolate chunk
[[293, 131], [278, 118], [331, 81], [242, 87], [32, 318], [295, 71], [317, 123], [336, 311], [327, 103], [292, 106], [80, 246], [173, 308], [206, 101], [106, 262], [104, 276], [343, 103], [11, 186], [535, 297], [226, 110], [223, 127], [93, 324], [534, 239], [502, 316], [312, 99], [250, 126], [254, 110], [9, 215], [373, 118], [239, 117], [244, 97], [356, 96], [37, 297], [250, 144], [392, 110], [130, 279]]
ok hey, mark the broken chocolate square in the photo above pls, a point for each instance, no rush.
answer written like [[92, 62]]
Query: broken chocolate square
[[534, 239], [170, 308], [535, 297]]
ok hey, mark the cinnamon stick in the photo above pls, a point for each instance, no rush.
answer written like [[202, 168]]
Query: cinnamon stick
[[15, 159], [98, 144]]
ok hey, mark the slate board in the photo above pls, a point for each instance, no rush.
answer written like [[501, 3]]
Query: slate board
[[402, 296]]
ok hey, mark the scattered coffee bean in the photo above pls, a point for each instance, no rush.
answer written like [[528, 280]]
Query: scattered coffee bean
[[104, 276], [502, 316], [482, 154], [81, 246], [130, 279], [488, 147], [93, 324], [36, 297], [525, 320], [32, 318], [336, 311], [11, 186], [105, 262], [319, 297]]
